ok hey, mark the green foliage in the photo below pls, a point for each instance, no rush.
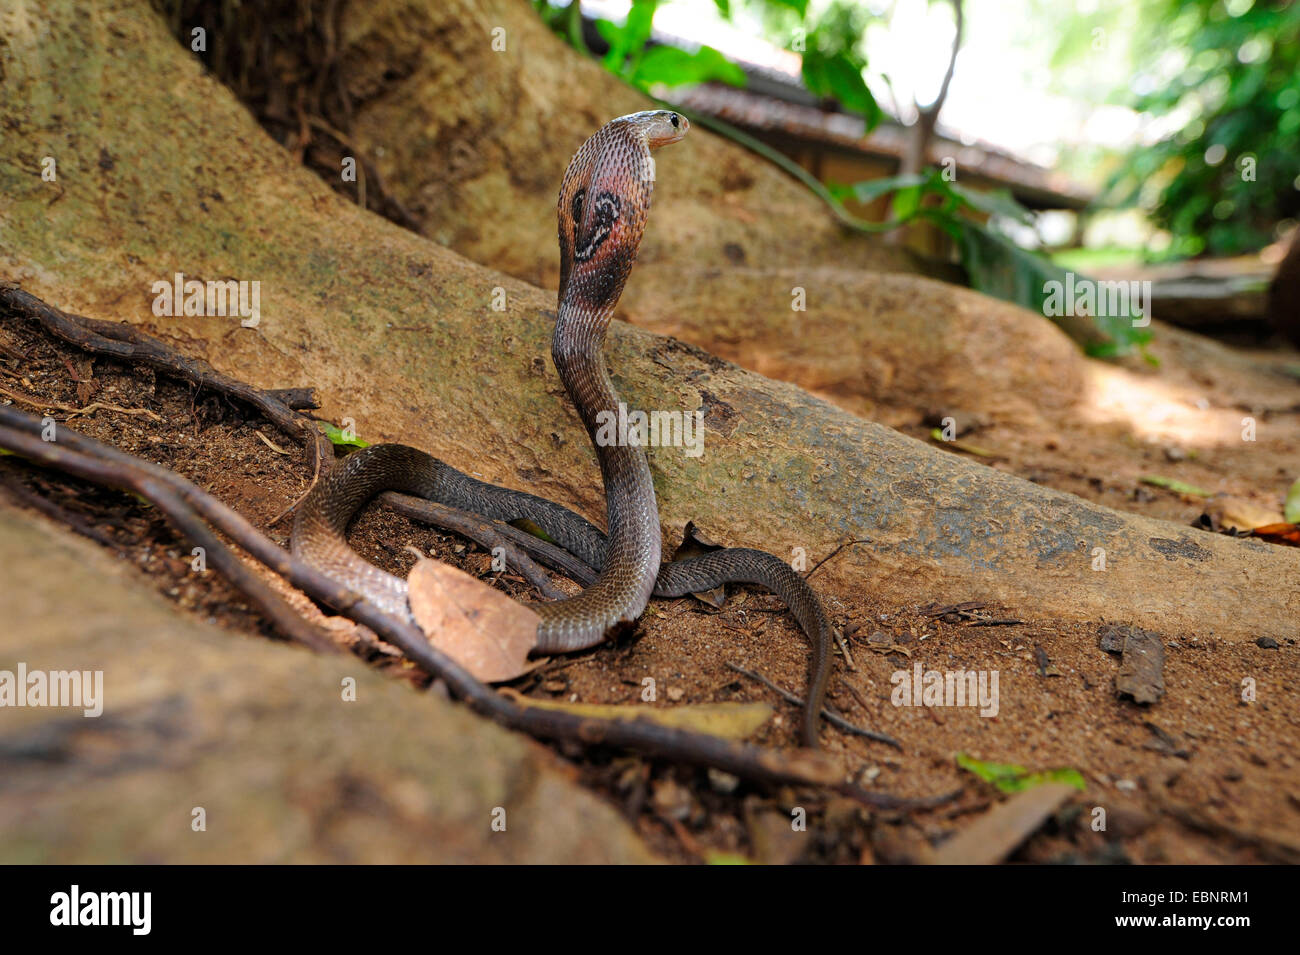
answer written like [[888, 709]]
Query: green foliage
[[1221, 181], [630, 55], [673, 67], [995, 264], [1010, 778], [1178, 487], [341, 438], [830, 46], [832, 64], [832, 61]]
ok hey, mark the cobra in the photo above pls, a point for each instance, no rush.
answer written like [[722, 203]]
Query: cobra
[[602, 209]]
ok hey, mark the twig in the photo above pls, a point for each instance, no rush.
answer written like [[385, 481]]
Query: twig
[[269, 443], [181, 500], [8, 351], [368, 171], [844, 648], [864, 540], [121, 341], [833, 718], [315, 476], [486, 535], [857, 696], [453, 519], [113, 474], [299, 399], [35, 402]]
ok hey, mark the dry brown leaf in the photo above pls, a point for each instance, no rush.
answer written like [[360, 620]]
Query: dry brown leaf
[[1242, 513], [1279, 533], [997, 833], [694, 543], [482, 629], [728, 720]]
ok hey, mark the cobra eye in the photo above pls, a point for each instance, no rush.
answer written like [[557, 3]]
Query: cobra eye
[[675, 120]]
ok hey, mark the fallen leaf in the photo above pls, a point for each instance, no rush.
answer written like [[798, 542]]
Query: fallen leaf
[[996, 834], [1279, 534], [937, 436], [343, 438], [529, 527], [482, 629], [773, 839], [1241, 513], [1178, 487], [728, 720], [1011, 778], [694, 544], [1112, 638]]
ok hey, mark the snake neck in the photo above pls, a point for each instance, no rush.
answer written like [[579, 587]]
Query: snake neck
[[577, 350], [577, 347], [632, 512]]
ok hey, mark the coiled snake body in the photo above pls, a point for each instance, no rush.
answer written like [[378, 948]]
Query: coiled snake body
[[602, 209]]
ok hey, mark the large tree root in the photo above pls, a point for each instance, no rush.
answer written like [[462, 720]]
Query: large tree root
[[191, 511], [421, 346]]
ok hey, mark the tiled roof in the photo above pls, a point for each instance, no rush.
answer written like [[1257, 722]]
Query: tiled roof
[[763, 112]]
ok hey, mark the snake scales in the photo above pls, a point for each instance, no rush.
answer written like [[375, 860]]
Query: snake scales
[[602, 209]]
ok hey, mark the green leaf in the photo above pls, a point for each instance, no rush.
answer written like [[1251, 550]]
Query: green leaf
[[998, 203], [871, 189], [936, 434], [640, 20], [627, 42], [1178, 487], [1010, 778], [612, 34], [839, 76], [798, 6], [529, 527], [907, 202], [848, 86], [340, 438], [673, 67], [1291, 509]]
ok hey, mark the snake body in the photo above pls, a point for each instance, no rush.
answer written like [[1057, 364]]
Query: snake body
[[602, 209]]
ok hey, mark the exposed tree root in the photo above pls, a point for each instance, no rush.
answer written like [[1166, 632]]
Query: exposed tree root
[[195, 513]]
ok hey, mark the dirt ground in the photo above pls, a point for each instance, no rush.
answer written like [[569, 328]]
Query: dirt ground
[[1198, 777]]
